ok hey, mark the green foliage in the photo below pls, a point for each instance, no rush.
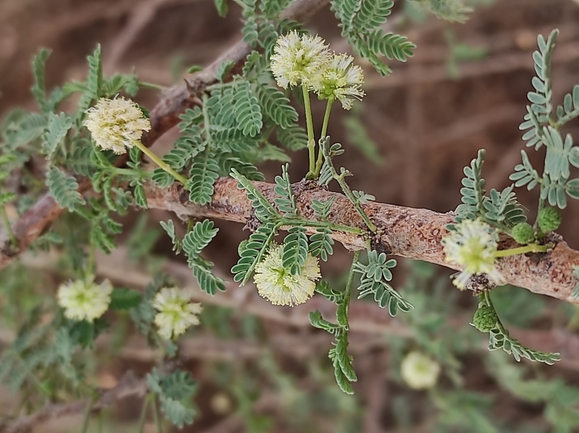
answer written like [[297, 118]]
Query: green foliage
[[253, 251], [56, 129], [499, 209], [525, 174], [472, 191], [123, 298], [221, 6], [360, 21], [247, 111], [293, 137], [321, 244], [575, 293], [198, 238], [175, 391], [169, 227], [570, 108], [499, 337], [286, 202], [275, 105], [374, 281], [203, 174], [295, 250], [39, 87], [93, 84], [263, 209], [342, 362], [64, 189]]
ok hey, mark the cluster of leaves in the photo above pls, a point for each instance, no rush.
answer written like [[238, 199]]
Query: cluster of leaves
[[374, 281], [487, 320], [542, 128], [192, 244], [175, 391], [233, 130], [361, 22], [499, 209]]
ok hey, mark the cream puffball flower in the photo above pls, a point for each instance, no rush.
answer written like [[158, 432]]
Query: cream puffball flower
[[341, 80], [115, 123], [276, 284], [419, 371], [83, 299], [473, 246], [176, 312], [297, 59]]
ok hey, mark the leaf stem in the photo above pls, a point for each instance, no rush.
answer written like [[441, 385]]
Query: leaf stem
[[163, 165], [531, 248], [310, 130], [87, 412], [9, 230], [320, 224], [142, 418], [322, 135], [158, 427]]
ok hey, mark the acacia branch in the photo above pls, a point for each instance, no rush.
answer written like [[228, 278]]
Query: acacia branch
[[165, 115], [406, 232]]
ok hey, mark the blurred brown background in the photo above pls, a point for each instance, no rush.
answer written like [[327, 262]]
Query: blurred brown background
[[464, 89]]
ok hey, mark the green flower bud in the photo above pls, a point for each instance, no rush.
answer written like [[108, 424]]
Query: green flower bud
[[523, 233], [549, 219], [485, 318]]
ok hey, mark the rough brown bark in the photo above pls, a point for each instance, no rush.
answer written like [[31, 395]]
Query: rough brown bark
[[406, 232]]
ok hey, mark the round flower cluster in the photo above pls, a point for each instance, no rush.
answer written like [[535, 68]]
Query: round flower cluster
[[473, 245], [116, 123], [419, 371], [84, 299], [176, 312], [306, 60], [276, 284]]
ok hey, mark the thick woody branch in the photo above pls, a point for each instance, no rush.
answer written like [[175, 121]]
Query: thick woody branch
[[165, 115], [406, 232]]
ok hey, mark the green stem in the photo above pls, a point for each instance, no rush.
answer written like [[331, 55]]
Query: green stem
[[87, 412], [350, 281], [486, 296], [9, 230], [348, 192], [159, 162], [206, 119], [531, 248], [143, 416], [156, 417], [323, 134], [146, 85], [310, 130], [90, 265], [320, 224]]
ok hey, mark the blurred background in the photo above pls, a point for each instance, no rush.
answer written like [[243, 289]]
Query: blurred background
[[262, 368]]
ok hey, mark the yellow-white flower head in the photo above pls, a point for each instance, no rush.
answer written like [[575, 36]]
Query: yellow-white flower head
[[473, 246], [176, 312], [276, 284], [419, 371], [83, 299], [341, 80], [297, 59], [115, 123]]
